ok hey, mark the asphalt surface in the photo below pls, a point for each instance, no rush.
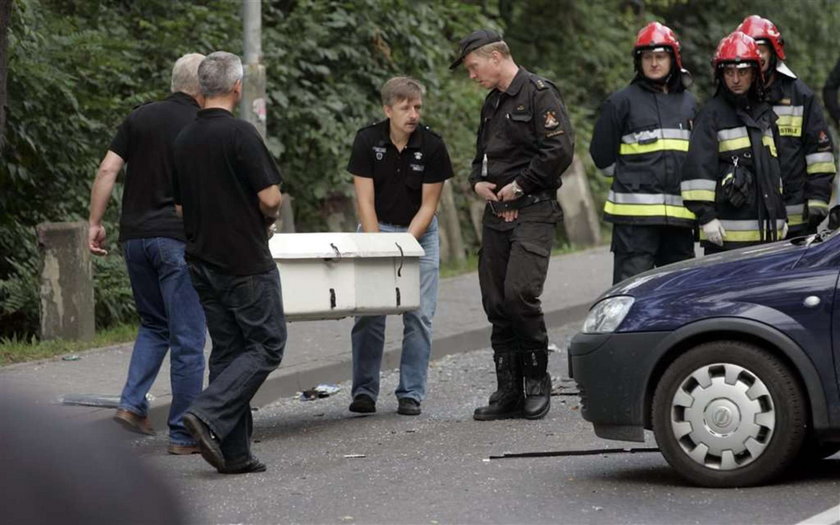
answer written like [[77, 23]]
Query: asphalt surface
[[326, 465]]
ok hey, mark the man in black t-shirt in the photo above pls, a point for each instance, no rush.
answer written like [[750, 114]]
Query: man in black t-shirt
[[399, 167], [152, 238], [227, 187]]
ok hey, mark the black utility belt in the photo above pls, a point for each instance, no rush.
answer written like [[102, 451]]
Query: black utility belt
[[521, 202]]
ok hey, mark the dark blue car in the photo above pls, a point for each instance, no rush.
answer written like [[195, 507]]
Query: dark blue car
[[733, 360]]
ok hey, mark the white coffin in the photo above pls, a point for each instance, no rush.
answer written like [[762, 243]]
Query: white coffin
[[335, 275]]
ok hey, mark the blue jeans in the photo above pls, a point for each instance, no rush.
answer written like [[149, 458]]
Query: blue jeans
[[170, 317], [248, 330], [368, 334]]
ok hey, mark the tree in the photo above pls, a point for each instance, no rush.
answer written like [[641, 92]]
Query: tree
[[5, 15]]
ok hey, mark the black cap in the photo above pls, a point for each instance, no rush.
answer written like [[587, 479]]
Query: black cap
[[473, 41]]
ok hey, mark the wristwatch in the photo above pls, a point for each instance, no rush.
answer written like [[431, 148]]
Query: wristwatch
[[517, 191]]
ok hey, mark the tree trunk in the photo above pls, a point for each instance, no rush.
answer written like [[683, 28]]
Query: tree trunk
[[450, 228], [5, 14]]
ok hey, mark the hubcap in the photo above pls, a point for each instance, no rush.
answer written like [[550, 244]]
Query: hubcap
[[723, 416]]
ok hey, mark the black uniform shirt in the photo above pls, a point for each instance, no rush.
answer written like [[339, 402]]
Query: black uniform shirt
[[525, 134], [143, 141], [398, 176], [221, 163]]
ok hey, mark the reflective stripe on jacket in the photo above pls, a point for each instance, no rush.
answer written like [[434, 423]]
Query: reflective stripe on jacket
[[805, 151], [725, 140], [640, 140]]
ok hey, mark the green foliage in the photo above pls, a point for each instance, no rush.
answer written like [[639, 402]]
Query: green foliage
[[77, 67], [326, 61]]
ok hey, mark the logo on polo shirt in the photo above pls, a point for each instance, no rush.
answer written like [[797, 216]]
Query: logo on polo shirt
[[379, 151], [418, 155]]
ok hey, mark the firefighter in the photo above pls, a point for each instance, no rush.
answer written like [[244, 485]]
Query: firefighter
[[731, 176], [805, 151], [640, 141]]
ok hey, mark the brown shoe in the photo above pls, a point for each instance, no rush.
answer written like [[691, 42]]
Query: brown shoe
[[183, 450], [134, 423]]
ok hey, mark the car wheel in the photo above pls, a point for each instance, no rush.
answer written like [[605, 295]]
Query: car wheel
[[729, 414]]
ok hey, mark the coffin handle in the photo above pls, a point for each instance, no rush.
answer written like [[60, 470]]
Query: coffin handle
[[402, 256], [337, 253]]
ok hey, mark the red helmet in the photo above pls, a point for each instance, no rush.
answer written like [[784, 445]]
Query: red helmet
[[763, 29], [657, 35], [737, 48]]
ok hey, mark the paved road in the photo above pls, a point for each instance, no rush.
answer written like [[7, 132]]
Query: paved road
[[437, 468]]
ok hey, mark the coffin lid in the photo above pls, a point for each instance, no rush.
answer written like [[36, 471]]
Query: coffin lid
[[335, 245]]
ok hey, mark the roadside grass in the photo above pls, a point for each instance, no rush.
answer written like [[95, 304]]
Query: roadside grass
[[14, 350]]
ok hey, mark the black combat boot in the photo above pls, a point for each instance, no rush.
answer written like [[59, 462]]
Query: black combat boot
[[506, 402], [537, 384]]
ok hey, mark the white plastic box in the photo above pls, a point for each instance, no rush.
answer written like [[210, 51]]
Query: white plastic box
[[335, 275]]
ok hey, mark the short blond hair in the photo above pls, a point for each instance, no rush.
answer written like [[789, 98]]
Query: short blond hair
[[401, 88], [185, 74], [486, 50]]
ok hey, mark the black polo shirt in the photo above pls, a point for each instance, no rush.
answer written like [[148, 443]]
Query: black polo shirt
[[221, 163], [143, 141], [398, 176]]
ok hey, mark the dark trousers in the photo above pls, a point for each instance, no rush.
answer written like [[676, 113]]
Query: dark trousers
[[248, 331], [512, 267], [638, 248]]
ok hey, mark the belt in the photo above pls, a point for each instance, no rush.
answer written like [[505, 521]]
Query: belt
[[521, 202]]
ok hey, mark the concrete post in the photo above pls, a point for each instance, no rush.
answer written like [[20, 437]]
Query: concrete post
[[579, 215], [67, 305]]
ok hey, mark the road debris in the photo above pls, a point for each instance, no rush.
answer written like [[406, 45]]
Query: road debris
[[319, 392]]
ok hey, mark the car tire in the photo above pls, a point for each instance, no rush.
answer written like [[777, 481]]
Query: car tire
[[729, 414]]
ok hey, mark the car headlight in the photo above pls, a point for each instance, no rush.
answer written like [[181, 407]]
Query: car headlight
[[607, 314]]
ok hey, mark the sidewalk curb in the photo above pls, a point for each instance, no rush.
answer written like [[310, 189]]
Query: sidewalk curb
[[287, 383]]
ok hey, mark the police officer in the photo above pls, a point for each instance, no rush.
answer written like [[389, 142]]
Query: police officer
[[525, 142], [731, 176], [640, 140], [805, 150]]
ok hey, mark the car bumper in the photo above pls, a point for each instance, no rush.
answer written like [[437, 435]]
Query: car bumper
[[613, 372]]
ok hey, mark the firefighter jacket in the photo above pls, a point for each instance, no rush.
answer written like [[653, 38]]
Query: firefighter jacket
[[640, 141], [731, 172], [805, 151], [524, 135]]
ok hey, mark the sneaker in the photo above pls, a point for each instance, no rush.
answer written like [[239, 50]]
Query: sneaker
[[363, 404], [408, 406]]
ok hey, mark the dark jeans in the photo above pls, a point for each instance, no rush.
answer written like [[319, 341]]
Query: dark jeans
[[639, 248], [248, 331], [512, 267]]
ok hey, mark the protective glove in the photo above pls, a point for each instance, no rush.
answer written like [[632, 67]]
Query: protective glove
[[714, 232], [814, 215]]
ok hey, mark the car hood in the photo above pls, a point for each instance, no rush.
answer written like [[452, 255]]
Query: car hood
[[720, 268]]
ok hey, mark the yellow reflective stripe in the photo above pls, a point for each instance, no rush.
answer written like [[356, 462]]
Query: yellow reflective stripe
[[790, 131], [821, 167], [770, 143], [733, 144], [648, 210], [817, 204], [795, 219], [659, 145], [736, 236], [789, 120], [698, 195]]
